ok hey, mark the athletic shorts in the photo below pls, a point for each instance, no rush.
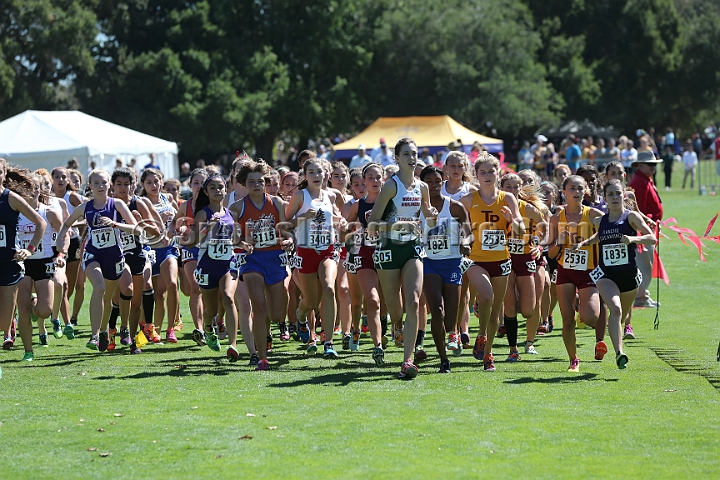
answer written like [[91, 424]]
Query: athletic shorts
[[189, 255], [137, 262], [271, 264], [307, 260], [395, 256], [162, 254], [209, 272], [501, 268], [627, 280], [343, 254], [449, 269], [523, 265], [11, 273], [73, 254], [40, 268], [111, 268], [580, 278]]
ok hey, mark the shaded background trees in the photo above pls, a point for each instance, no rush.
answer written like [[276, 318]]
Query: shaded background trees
[[216, 76]]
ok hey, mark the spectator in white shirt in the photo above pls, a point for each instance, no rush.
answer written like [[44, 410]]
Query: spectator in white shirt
[[361, 159], [384, 158], [628, 155], [690, 160]]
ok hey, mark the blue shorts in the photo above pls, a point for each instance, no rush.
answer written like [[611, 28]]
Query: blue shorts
[[162, 254], [11, 273], [209, 272], [448, 269], [189, 255], [271, 264], [111, 267]]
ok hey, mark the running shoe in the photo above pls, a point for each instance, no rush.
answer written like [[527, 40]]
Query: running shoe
[[104, 342], [134, 350], [574, 366], [600, 350], [57, 329], [347, 338], [489, 363], [43, 340], [73, 321], [178, 323], [284, 333], [150, 333], [292, 330], [336, 332], [646, 303], [262, 365], [513, 357], [69, 331], [445, 366], [8, 343], [111, 340], [198, 337], [323, 339], [93, 343], [311, 348], [453, 345], [479, 347], [221, 330], [621, 360], [170, 336], [254, 360], [28, 357], [530, 348], [629, 334], [378, 356], [542, 329], [364, 328], [355, 342], [233, 354], [304, 332], [398, 337], [125, 338], [501, 331], [330, 351], [212, 341], [408, 370], [420, 355], [465, 340], [551, 325], [269, 344]]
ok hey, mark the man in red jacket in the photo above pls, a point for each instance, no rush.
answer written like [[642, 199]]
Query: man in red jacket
[[649, 203]]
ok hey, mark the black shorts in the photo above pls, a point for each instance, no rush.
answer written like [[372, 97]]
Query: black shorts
[[40, 268], [11, 273], [626, 281], [73, 254], [136, 263]]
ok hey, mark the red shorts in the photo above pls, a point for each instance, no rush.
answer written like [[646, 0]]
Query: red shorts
[[501, 268], [307, 260], [523, 265], [580, 278]]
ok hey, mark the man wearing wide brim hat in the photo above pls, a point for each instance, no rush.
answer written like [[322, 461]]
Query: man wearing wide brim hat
[[648, 202]]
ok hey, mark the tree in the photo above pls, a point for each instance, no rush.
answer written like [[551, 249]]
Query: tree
[[43, 45]]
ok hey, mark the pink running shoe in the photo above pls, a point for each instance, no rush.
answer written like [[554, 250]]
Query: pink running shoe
[[170, 336]]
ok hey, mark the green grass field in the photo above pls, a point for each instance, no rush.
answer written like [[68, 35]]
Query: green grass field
[[178, 411]]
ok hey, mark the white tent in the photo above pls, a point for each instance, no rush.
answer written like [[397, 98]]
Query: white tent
[[36, 139]]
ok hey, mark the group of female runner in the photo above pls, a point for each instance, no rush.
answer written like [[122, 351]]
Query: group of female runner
[[348, 252]]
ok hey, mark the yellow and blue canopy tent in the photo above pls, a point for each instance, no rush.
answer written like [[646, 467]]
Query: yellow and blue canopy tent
[[434, 133]]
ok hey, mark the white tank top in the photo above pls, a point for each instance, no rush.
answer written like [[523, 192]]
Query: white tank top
[[317, 233], [74, 232], [404, 207], [54, 205], [443, 240], [26, 230], [455, 196]]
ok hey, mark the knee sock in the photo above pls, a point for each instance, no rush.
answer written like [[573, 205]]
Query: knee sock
[[420, 338], [148, 303], [114, 313], [511, 328], [384, 324]]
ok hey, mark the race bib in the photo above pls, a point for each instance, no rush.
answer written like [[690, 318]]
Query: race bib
[[506, 267], [516, 246], [370, 240], [493, 240], [350, 267], [465, 264], [531, 266], [439, 245], [201, 278], [87, 257], [220, 249], [3, 238], [320, 240], [103, 237], [554, 277], [596, 274], [420, 250], [575, 259], [283, 259], [264, 237], [54, 239], [119, 267], [615, 254], [50, 268], [128, 241], [186, 255], [24, 244], [382, 256]]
